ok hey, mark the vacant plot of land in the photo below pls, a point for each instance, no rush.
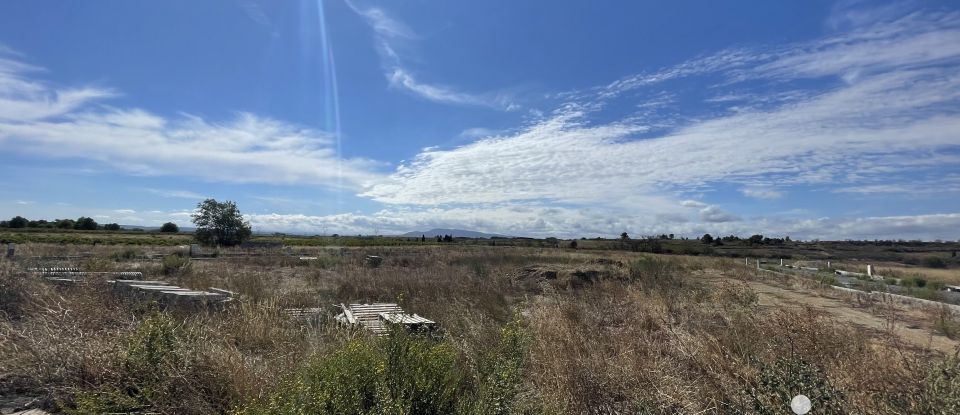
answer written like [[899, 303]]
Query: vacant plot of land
[[524, 330]]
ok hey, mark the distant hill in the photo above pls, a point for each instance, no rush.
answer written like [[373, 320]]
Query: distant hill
[[456, 233]]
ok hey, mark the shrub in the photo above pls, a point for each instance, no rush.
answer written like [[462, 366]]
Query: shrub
[[933, 262], [655, 273], [479, 268], [169, 227], [126, 254], [740, 295], [403, 374], [85, 223], [946, 322], [152, 355], [13, 293], [396, 374], [176, 265], [500, 377], [785, 378], [325, 262], [942, 388]]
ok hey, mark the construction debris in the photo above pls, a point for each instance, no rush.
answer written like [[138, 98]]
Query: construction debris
[[378, 318], [373, 261], [171, 295], [64, 275]]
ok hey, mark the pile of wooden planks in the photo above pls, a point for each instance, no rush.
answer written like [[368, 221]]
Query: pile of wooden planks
[[171, 295], [67, 275], [378, 318]]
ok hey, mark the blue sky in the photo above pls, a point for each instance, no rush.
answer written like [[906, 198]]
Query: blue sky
[[812, 119]]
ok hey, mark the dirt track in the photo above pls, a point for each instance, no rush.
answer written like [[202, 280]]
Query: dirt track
[[907, 322]]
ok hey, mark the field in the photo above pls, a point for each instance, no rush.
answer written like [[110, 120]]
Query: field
[[525, 329]]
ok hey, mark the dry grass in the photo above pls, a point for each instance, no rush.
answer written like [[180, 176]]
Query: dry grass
[[945, 276], [605, 333]]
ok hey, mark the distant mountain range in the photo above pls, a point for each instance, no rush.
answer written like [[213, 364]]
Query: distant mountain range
[[456, 233]]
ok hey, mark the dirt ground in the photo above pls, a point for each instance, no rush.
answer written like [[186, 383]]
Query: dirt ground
[[910, 324]]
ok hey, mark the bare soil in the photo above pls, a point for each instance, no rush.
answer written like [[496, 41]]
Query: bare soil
[[905, 322]]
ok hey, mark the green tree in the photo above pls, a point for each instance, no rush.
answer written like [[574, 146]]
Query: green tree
[[169, 227], [65, 223], [18, 222], [111, 227], [85, 223], [933, 262], [39, 224], [624, 236], [220, 223], [706, 238]]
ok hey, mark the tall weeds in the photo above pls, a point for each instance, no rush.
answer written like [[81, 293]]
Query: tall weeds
[[638, 333]]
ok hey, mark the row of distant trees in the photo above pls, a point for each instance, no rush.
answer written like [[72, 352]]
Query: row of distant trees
[[82, 223], [218, 223], [710, 239]]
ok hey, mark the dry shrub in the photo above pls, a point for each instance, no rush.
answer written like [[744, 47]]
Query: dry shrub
[[15, 292], [83, 351], [736, 294], [635, 352], [176, 265], [647, 337], [945, 321]]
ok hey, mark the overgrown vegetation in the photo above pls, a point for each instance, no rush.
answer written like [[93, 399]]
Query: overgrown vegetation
[[524, 331], [403, 374]]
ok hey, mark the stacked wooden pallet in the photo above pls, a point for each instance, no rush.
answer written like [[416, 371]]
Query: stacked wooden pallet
[[379, 317]]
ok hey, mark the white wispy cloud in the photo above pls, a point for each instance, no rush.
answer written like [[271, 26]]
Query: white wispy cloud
[[761, 192], [400, 78], [713, 214], [939, 185], [26, 99], [182, 194], [391, 35], [545, 221], [898, 114], [255, 11], [882, 108], [46, 121], [478, 132]]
